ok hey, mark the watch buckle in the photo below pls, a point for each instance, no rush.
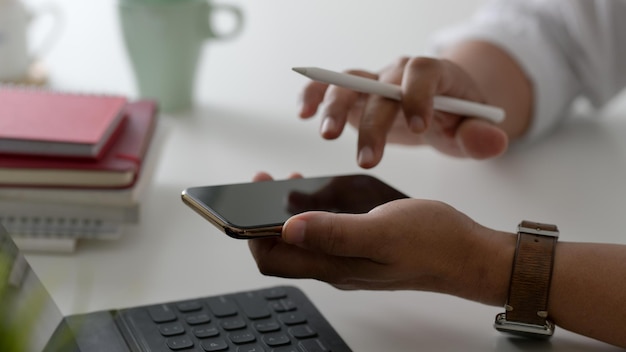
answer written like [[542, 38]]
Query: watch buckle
[[523, 329], [538, 229]]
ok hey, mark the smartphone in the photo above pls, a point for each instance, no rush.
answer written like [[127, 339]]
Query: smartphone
[[259, 209]]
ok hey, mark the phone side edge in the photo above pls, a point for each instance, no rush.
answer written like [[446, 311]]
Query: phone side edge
[[232, 231], [201, 210]]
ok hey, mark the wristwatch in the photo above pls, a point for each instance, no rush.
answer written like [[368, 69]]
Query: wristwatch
[[526, 309]]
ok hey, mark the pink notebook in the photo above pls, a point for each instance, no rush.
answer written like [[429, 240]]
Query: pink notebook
[[119, 167], [48, 123]]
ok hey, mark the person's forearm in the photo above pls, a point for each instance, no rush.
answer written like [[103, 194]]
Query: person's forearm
[[588, 290], [500, 79]]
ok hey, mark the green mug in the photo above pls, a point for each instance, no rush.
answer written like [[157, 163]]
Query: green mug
[[164, 39]]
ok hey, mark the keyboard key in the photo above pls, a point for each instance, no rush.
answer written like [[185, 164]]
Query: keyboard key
[[267, 326], [250, 348], [283, 305], [222, 306], [312, 346], [276, 339], [189, 306], [179, 343], [214, 345], [302, 332], [253, 306], [233, 324], [203, 332], [241, 337], [161, 313], [200, 318], [286, 349], [171, 329], [292, 318], [274, 293]]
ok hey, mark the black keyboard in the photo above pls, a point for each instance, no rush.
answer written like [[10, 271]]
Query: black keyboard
[[278, 319]]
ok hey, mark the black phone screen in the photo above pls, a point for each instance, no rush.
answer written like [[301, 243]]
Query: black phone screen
[[271, 203]]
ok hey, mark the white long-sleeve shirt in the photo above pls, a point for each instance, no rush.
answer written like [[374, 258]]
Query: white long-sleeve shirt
[[568, 48]]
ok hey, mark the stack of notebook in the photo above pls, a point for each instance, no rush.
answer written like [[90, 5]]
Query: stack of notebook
[[71, 165]]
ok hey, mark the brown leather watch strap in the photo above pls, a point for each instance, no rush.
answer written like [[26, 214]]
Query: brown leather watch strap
[[532, 273]]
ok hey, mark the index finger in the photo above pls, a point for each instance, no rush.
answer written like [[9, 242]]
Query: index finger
[[378, 118]]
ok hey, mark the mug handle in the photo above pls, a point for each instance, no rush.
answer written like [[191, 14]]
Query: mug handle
[[53, 35], [234, 11]]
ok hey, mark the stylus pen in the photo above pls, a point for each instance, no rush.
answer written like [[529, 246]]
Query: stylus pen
[[392, 91]]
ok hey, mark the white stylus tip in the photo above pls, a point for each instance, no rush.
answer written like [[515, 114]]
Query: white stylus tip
[[300, 70]]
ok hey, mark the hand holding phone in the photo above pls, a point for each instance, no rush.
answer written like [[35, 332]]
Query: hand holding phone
[[259, 209]]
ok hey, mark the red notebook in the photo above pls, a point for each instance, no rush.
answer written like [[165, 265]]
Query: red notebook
[[118, 168], [49, 123]]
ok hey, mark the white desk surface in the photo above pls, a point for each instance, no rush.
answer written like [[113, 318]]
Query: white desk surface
[[245, 121]]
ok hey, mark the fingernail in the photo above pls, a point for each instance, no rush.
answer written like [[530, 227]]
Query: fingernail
[[294, 232], [417, 124], [328, 125], [366, 156], [302, 108]]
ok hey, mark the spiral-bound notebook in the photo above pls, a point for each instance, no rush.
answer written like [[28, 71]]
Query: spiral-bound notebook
[[35, 121]]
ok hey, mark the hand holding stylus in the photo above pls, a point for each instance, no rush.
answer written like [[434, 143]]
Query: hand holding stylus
[[418, 101], [392, 91]]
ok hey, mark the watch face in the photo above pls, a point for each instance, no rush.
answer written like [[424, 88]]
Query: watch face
[[522, 329]]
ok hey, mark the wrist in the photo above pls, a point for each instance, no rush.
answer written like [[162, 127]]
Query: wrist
[[488, 267]]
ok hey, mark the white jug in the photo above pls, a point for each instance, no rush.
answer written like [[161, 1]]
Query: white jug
[[16, 55]]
